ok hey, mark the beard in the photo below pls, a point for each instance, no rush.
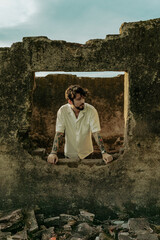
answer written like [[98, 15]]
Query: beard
[[80, 108]]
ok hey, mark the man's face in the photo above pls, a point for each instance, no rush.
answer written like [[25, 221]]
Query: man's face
[[79, 101]]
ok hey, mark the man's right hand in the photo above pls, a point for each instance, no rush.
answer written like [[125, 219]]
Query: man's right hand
[[52, 158]]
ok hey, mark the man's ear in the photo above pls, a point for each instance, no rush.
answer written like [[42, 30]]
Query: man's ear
[[70, 102]]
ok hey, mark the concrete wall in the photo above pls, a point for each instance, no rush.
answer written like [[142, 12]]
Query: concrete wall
[[130, 184], [106, 95]]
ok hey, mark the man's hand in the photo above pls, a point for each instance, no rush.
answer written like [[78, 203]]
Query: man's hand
[[52, 158], [107, 158]]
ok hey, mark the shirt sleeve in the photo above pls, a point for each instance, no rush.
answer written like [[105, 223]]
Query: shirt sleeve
[[60, 125], [94, 121]]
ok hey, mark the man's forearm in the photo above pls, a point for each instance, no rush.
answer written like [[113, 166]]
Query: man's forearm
[[58, 140], [99, 140]]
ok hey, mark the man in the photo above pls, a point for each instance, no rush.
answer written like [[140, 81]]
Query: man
[[77, 120]]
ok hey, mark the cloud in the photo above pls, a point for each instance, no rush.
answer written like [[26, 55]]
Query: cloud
[[70, 20], [16, 12]]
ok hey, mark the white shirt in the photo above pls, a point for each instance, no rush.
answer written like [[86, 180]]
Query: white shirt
[[78, 131]]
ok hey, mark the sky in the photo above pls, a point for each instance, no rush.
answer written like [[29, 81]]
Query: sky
[[70, 20]]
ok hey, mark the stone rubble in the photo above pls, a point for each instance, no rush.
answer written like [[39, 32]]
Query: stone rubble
[[52, 221], [12, 221], [31, 221], [86, 216], [27, 225]]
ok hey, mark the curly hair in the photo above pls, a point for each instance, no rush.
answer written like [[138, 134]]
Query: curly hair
[[72, 90]]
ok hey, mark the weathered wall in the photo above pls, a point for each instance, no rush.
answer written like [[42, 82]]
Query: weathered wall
[[131, 182], [106, 94]]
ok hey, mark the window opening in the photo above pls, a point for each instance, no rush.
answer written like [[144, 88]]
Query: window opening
[[107, 96]]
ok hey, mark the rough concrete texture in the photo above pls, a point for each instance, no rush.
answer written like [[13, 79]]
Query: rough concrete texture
[[106, 95], [129, 185]]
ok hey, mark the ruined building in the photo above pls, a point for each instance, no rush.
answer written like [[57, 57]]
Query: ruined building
[[129, 184]]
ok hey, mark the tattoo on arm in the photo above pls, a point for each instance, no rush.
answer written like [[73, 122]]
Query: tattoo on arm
[[99, 141], [58, 140]]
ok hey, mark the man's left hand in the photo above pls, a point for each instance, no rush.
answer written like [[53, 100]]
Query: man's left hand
[[107, 158]]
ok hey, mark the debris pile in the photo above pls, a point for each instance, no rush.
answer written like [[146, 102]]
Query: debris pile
[[27, 224]]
